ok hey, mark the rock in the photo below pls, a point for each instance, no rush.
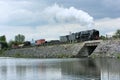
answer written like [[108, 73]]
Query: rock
[[109, 48], [53, 51]]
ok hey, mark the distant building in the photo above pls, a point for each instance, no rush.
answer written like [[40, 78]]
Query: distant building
[[40, 41], [32, 42]]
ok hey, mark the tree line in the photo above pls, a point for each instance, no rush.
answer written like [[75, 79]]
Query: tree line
[[18, 39]]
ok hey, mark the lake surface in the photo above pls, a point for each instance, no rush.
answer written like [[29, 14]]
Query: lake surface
[[59, 69]]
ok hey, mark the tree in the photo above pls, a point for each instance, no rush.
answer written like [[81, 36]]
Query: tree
[[2, 38], [4, 45], [117, 34], [3, 42], [11, 42], [102, 37], [19, 38]]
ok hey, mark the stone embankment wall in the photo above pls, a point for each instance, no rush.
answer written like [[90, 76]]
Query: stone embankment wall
[[53, 51], [108, 48]]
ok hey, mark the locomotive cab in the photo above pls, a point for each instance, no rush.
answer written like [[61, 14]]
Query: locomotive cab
[[95, 35]]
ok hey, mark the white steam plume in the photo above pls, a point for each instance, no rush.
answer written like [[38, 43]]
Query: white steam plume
[[58, 14]]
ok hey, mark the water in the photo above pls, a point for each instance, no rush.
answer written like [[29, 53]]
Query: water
[[59, 69]]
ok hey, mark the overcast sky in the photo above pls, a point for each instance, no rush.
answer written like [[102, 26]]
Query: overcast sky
[[50, 19]]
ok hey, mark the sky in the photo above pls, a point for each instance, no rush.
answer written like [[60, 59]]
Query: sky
[[50, 19]]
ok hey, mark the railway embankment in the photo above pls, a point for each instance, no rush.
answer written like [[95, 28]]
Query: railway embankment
[[51, 51], [107, 48]]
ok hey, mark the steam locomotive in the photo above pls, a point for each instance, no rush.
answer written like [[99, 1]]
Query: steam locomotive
[[81, 36]]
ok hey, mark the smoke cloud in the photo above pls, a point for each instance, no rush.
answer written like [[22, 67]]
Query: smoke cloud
[[58, 14]]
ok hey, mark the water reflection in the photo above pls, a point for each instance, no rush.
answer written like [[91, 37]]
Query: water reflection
[[59, 69], [28, 69], [110, 68], [84, 69]]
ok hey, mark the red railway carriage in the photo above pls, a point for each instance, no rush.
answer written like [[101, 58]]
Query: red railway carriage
[[40, 41]]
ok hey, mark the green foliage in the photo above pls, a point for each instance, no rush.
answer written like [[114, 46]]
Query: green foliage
[[63, 56], [102, 37], [2, 38], [19, 38], [18, 55], [117, 34], [12, 43], [1, 52], [3, 45]]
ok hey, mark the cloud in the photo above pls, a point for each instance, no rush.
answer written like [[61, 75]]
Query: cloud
[[58, 14], [107, 25], [97, 9], [20, 13]]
